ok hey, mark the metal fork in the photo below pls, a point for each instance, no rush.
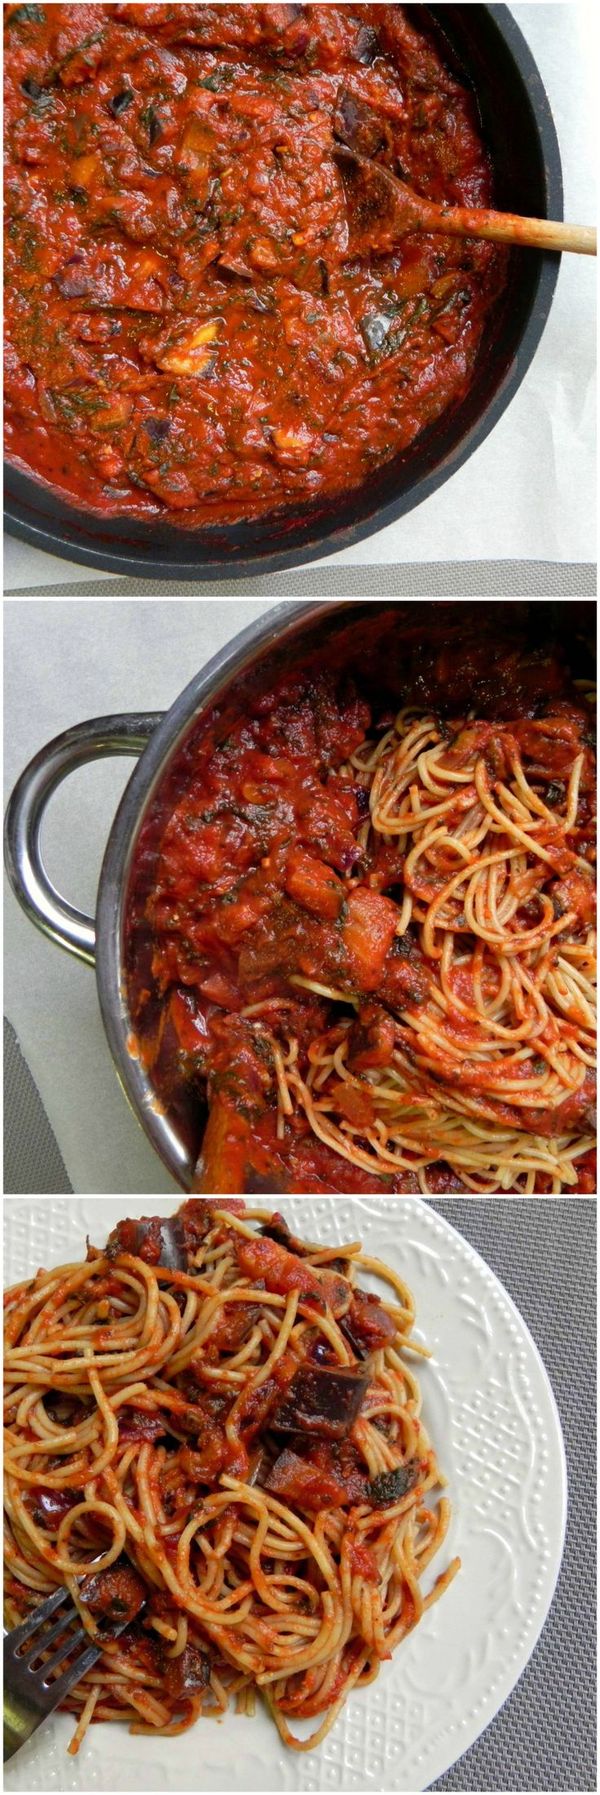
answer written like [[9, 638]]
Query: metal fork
[[31, 1693]]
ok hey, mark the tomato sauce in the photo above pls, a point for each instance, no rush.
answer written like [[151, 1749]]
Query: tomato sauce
[[254, 877], [187, 333]]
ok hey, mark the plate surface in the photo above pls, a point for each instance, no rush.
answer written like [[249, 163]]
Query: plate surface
[[490, 1409]]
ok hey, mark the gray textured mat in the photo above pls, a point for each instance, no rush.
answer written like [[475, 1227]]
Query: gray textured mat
[[33, 1163], [545, 1253], [423, 579]]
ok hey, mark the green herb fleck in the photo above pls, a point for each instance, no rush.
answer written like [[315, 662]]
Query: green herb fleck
[[27, 15]]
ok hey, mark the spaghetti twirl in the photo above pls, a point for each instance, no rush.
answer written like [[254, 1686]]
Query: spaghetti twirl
[[489, 1070], [229, 1457], [368, 938]]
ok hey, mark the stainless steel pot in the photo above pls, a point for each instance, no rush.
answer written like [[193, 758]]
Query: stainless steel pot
[[273, 642], [157, 739]]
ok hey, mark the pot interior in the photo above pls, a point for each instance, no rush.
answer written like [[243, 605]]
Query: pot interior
[[484, 47], [394, 654]]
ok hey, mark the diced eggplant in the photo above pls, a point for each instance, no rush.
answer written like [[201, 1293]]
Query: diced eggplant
[[359, 128], [156, 1239], [151, 120], [234, 268], [321, 1400], [283, 1271], [137, 1424], [196, 1218], [277, 1229], [326, 1475], [114, 1596], [367, 45], [232, 1327], [51, 1506], [294, 1479], [367, 1325], [120, 102], [187, 1674], [372, 1039], [261, 302], [73, 281], [157, 428], [375, 327], [257, 1184]]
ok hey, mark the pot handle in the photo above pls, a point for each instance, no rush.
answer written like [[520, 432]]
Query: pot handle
[[53, 914]]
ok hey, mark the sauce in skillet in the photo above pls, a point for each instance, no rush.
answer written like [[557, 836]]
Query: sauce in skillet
[[185, 333]]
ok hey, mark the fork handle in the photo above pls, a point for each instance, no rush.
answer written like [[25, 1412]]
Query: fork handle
[[20, 1721]]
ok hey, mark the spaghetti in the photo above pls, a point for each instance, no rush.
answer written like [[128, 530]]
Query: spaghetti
[[487, 1071], [230, 1458], [368, 934]]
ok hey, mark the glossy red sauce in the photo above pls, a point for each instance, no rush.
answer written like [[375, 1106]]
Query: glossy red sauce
[[185, 333], [257, 877]]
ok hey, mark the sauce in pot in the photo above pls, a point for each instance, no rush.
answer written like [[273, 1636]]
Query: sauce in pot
[[186, 333]]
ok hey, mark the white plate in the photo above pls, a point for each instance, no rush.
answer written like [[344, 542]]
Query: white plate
[[492, 1415]]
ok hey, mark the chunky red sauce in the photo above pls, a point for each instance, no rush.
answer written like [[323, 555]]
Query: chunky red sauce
[[185, 331], [254, 875]]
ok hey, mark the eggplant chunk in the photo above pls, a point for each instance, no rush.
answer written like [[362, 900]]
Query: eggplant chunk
[[321, 1400]]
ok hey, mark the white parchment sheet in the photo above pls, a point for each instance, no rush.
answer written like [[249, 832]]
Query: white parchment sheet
[[528, 493]]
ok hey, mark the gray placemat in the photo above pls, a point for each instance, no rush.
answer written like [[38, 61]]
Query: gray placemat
[[544, 1251], [422, 579], [33, 1163]]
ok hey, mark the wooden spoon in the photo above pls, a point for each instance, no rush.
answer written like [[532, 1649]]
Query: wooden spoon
[[381, 209]]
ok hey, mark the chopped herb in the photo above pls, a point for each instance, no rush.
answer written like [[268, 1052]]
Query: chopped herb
[[93, 37], [150, 120], [392, 1485], [28, 15], [219, 79]]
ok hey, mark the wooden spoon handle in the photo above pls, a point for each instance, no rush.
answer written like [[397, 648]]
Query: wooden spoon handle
[[506, 227]]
